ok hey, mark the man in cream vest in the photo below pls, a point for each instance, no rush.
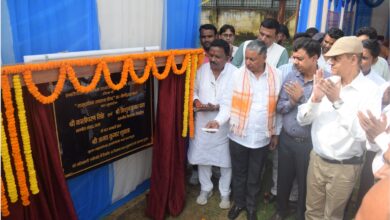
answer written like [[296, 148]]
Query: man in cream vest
[[276, 54]]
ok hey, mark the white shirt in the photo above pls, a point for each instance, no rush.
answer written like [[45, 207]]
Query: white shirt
[[235, 48], [210, 148], [337, 134], [274, 52], [323, 64], [257, 122], [381, 145], [374, 76], [382, 68]]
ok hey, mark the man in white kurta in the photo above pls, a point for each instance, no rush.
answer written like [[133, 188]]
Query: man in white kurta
[[212, 149]]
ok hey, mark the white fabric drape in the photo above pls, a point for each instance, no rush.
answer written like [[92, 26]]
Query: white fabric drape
[[130, 171], [130, 23], [125, 24], [7, 51]]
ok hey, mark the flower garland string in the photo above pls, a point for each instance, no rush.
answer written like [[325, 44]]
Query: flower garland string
[[145, 75], [191, 94], [186, 100], [164, 74], [4, 202], [33, 89], [183, 69], [25, 135], [75, 82], [124, 75], [18, 162], [7, 167]]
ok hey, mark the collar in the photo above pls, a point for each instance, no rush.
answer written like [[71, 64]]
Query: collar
[[358, 82]]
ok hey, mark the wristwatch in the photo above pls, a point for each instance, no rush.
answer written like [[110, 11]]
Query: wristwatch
[[337, 104]]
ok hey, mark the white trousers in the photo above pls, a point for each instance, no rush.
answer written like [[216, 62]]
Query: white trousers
[[224, 181]]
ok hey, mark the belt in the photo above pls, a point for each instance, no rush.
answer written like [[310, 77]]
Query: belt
[[352, 160], [298, 139]]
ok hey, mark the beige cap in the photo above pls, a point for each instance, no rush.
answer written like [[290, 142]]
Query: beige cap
[[350, 44]]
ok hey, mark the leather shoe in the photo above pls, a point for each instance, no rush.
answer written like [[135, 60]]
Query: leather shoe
[[234, 212], [276, 216], [251, 215]]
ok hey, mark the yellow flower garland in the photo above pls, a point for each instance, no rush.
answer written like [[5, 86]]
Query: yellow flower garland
[[192, 83], [6, 159], [25, 135], [186, 100]]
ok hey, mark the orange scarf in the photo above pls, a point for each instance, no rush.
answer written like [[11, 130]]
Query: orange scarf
[[242, 100]]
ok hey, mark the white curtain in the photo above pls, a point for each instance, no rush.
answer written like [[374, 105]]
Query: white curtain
[[130, 23], [124, 24]]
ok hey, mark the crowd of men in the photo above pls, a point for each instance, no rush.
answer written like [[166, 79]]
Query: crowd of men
[[323, 113]]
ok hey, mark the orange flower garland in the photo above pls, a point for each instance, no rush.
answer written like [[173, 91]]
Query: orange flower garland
[[4, 201], [76, 84], [183, 65], [33, 89], [9, 113], [145, 75], [124, 75], [67, 70], [164, 74]]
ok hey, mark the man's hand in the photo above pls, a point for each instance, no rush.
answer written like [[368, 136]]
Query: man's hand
[[212, 124], [294, 90], [274, 142], [331, 89], [318, 94], [371, 125]]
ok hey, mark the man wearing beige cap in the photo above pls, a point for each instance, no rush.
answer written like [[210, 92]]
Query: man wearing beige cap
[[338, 139]]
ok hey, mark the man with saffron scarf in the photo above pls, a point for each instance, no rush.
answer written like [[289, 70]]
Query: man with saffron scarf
[[250, 104]]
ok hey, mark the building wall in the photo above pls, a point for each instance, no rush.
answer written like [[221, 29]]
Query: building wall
[[244, 21]]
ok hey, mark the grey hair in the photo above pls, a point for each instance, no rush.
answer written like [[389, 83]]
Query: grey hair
[[258, 46]]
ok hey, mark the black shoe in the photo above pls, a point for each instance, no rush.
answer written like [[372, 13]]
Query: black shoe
[[276, 216], [234, 212], [251, 215]]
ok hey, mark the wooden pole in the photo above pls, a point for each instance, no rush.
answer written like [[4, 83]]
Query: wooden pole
[[281, 12]]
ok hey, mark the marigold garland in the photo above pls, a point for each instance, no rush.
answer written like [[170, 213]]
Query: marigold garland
[[25, 135], [124, 75], [18, 162], [76, 84], [66, 69], [145, 75], [164, 74], [186, 100], [192, 82], [4, 202], [183, 65], [7, 167], [33, 89]]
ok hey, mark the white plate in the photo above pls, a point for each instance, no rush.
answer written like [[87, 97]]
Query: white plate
[[212, 130]]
